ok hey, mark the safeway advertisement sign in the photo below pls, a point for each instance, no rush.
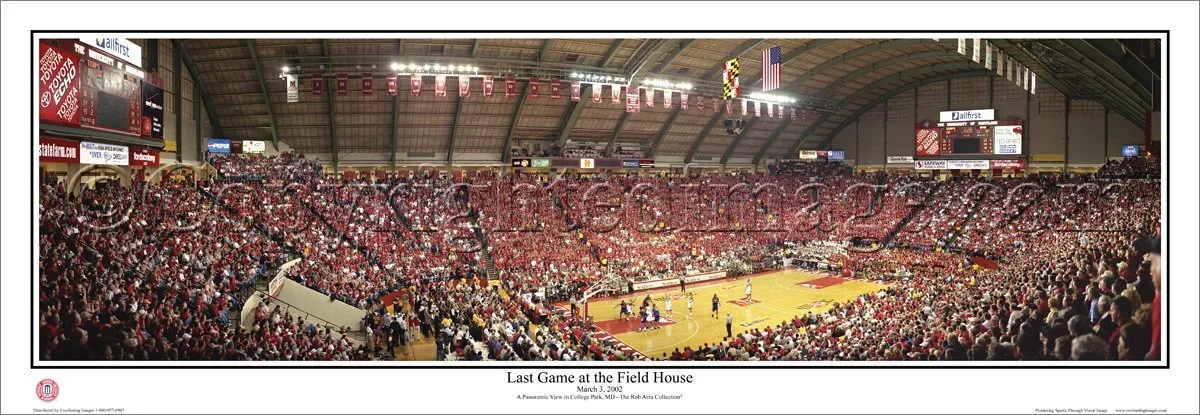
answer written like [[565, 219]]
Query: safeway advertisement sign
[[931, 164], [58, 86], [929, 142]]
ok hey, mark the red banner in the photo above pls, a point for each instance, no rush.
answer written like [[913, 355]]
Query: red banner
[[343, 85], [632, 101], [464, 86], [700, 103], [555, 87], [54, 150], [142, 157], [717, 106], [439, 86], [367, 83], [929, 142], [683, 100], [488, 85], [650, 97], [666, 99], [414, 84], [534, 87], [575, 91], [58, 87], [510, 87], [391, 85], [616, 93], [318, 84]]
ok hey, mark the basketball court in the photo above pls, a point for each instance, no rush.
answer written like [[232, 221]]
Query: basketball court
[[777, 296]]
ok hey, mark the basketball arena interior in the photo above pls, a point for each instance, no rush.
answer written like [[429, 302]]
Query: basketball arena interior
[[937, 200]]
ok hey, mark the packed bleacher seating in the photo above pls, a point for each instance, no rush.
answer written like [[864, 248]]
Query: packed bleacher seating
[[159, 271]]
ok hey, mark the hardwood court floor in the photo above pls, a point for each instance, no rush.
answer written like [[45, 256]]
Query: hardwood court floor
[[777, 296]]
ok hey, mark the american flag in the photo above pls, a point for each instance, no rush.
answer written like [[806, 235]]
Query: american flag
[[771, 61]]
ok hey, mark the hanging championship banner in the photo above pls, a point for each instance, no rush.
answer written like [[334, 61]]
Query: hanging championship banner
[[975, 51], [293, 89], [666, 99], [987, 55], [534, 87], [729, 107], [1033, 84], [650, 97], [616, 93], [318, 84], [700, 103], [745, 107], [343, 85], [683, 100], [729, 77], [999, 63], [488, 85], [793, 113], [464, 86], [962, 46], [367, 83], [510, 87], [391, 85], [632, 104], [575, 91], [598, 92], [1008, 72], [555, 87], [1026, 83], [415, 85], [716, 103], [779, 111], [439, 86]]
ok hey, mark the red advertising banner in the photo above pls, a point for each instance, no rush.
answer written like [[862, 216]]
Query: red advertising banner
[[534, 87], [414, 84], [439, 86], [489, 84], [391, 85], [55, 150], [555, 87], [343, 85], [367, 83], [929, 142], [58, 87], [143, 157], [1008, 164], [318, 84], [510, 87], [575, 91]]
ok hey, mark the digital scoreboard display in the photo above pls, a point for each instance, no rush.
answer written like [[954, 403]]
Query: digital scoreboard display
[[110, 97], [969, 138]]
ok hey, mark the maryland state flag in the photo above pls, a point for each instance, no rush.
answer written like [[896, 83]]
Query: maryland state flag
[[729, 77]]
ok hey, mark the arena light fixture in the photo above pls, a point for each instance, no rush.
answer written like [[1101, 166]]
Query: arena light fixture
[[664, 84], [395, 66], [285, 69], [772, 98]]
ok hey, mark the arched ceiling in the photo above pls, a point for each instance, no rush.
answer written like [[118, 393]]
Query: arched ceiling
[[837, 79]]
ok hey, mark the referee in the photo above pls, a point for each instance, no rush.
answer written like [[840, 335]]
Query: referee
[[729, 325]]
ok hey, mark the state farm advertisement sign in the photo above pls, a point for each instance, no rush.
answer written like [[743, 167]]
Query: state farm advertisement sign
[[143, 157], [53, 150], [58, 86], [929, 142]]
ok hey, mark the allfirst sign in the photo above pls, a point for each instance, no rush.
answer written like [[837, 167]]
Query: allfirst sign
[[120, 47], [968, 115]]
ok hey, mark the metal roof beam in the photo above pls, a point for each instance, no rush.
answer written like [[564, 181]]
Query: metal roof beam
[[662, 132], [612, 139], [475, 48], [874, 47], [458, 110], [512, 127], [746, 46], [1106, 72], [612, 53], [204, 97], [333, 141], [667, 61], [545, 49], [576, 107], [262, 84], [712, 122], [1111, 51]]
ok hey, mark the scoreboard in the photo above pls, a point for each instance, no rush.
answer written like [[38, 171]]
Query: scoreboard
[[969, 133], [111, 99]]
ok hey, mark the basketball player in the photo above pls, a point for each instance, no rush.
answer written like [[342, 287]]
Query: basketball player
[[747, 289], [716, 305], [668, 304], [625, 312], [690, 299], [654, 314]]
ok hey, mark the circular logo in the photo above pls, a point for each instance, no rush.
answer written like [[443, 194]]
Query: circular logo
[[47, 390]]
